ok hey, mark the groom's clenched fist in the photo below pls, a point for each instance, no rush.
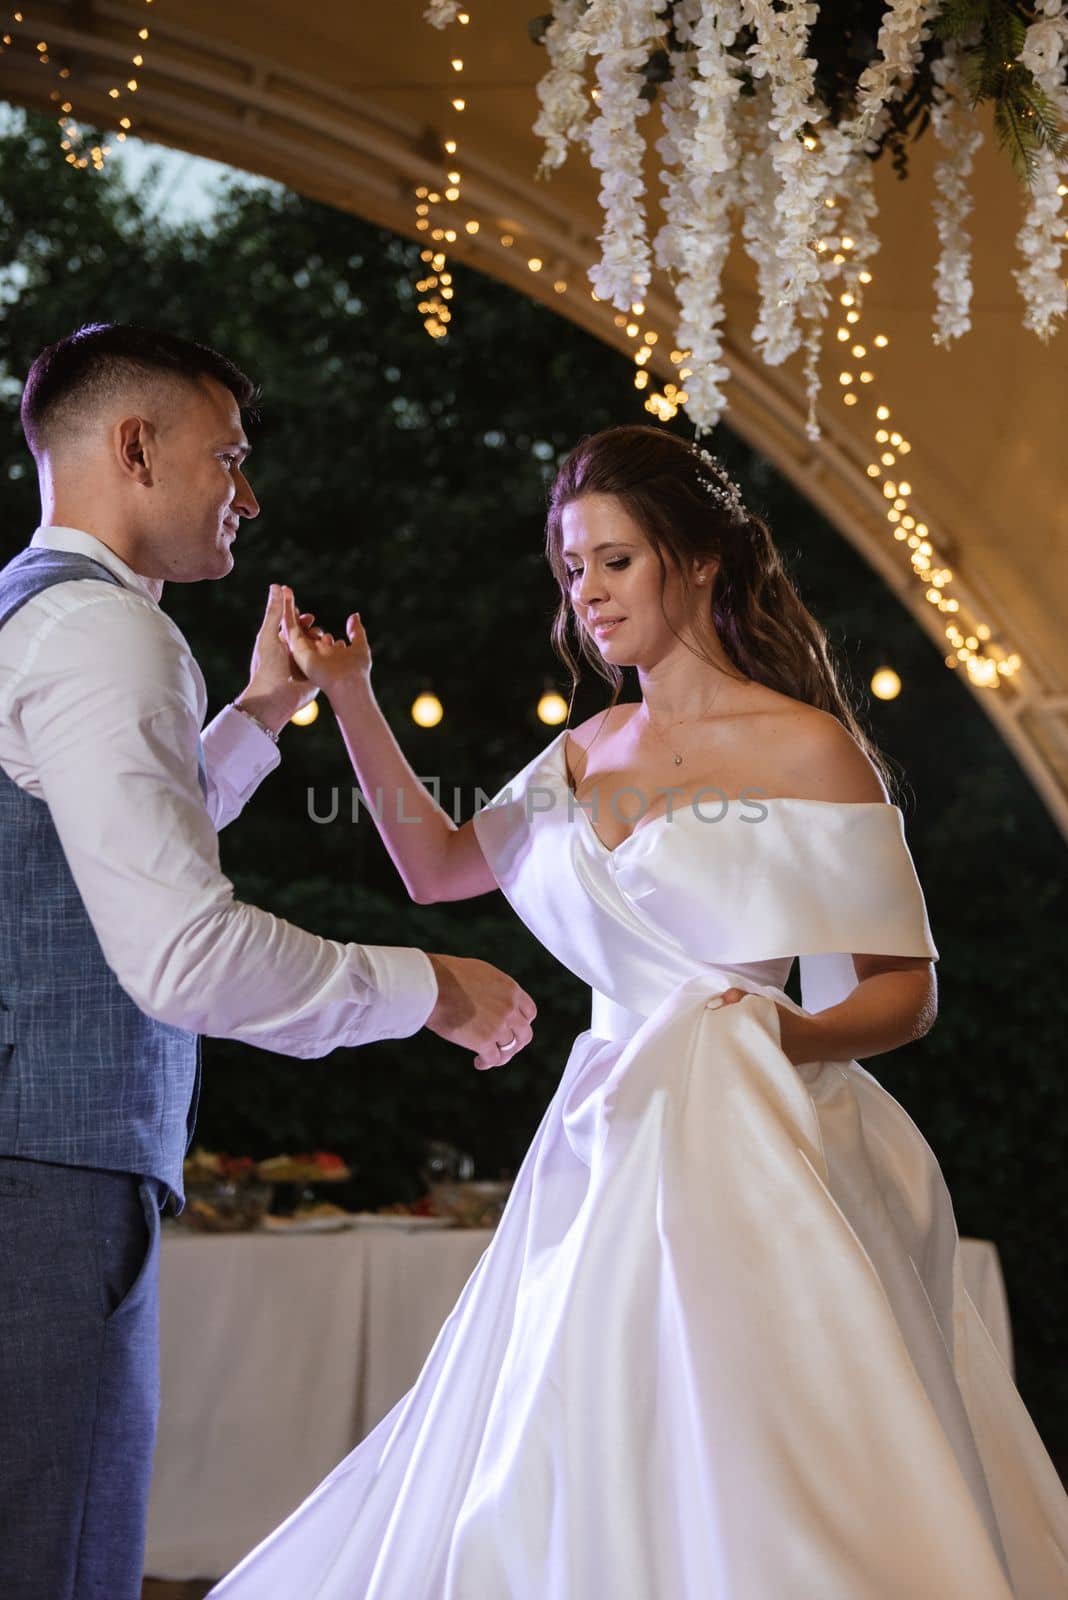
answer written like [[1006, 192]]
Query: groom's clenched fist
[[480, 1009]]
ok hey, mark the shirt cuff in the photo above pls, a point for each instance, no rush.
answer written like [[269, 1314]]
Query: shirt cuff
[[406, 990], [233, 742]]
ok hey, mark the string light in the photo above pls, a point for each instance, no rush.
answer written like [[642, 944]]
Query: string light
[[435, 287], [72, 137], [552, 708], [306, 715], [427, 710], [885, 684]]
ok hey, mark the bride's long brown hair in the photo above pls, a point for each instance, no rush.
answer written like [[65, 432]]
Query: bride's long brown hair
[[765, 629]]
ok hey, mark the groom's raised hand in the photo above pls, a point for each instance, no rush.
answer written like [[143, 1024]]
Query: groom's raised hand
[[276, 686]]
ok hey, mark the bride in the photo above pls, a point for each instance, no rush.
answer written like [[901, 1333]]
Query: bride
[[719, 1345]]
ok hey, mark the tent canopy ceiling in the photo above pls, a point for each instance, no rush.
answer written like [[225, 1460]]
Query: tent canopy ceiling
[[350, 103]]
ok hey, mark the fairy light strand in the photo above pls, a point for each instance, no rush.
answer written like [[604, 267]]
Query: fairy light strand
[[73, 139], [436, 209]]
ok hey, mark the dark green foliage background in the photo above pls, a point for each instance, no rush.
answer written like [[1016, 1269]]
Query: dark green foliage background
[[407, 480]]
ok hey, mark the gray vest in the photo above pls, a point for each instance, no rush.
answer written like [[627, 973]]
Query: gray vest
[[86, 1078]]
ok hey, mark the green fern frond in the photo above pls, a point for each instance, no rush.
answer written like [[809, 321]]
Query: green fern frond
[[1013, 136]]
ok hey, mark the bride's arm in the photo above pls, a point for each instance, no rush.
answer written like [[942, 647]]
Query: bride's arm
[[436, 859], [894, 1003]]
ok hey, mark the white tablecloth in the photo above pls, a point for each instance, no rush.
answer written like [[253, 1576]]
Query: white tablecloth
[[280, 1353]]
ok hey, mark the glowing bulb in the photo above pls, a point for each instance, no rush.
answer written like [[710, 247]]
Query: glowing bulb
[[306, 715], [885, 684], [427, 710], [552, 709]]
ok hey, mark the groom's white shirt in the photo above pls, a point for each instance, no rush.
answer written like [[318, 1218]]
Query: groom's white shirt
[[101, 704]]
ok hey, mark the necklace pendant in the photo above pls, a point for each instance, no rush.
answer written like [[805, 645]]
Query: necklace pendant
[[678, 761]]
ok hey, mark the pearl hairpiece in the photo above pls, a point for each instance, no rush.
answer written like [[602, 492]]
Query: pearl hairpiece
[[720, 486]]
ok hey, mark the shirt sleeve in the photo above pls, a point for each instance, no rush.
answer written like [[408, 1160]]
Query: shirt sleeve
[[108, 709], [238, 756]]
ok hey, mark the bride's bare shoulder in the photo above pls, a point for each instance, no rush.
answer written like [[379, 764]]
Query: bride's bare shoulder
[[610, 720], [816, 755]]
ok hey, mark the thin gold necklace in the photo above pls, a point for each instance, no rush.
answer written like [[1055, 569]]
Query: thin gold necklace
[[675, 754]]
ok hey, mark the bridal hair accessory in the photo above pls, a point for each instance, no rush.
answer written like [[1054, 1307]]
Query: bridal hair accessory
[[720, 486]]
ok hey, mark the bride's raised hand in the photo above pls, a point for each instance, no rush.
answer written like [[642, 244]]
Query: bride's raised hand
[[329, 663]]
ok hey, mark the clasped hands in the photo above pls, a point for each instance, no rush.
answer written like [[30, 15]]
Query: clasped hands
[[478, 1007], [292, 660]]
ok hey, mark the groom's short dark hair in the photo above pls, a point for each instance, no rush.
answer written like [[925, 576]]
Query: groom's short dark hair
[[91, 364]]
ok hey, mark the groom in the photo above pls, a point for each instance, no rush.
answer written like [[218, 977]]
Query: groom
[[120, 938]]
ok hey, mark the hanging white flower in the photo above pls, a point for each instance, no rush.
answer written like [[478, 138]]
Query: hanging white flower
[[699, 155], [960, 137], [904, 30], [622, 34], [814, 316], [439, 13], [778, 55], [565, 101], [1041, 238], [776, 328]]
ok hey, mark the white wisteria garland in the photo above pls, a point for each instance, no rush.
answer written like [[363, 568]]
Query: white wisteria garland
[[439, 13], [902, 33], [747, 144], [565, 102], [700, 155], [621, 35], [769, 159], [1041, 238], [960, 138]]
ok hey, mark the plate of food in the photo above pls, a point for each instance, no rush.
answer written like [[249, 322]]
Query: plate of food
[[323, 1218], [401, 1221], [316, 1166]]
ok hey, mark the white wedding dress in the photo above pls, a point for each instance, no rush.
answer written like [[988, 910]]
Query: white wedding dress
[[719, 1347]]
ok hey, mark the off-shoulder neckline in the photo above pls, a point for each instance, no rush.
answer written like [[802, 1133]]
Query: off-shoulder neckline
[[646, 823]]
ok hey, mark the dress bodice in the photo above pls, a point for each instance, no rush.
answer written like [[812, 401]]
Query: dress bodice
[[738, 886]]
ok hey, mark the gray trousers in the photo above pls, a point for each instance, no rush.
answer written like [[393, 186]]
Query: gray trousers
[[79, 1379]]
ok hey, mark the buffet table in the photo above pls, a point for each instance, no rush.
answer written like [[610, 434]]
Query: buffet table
[[279, 1353]]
